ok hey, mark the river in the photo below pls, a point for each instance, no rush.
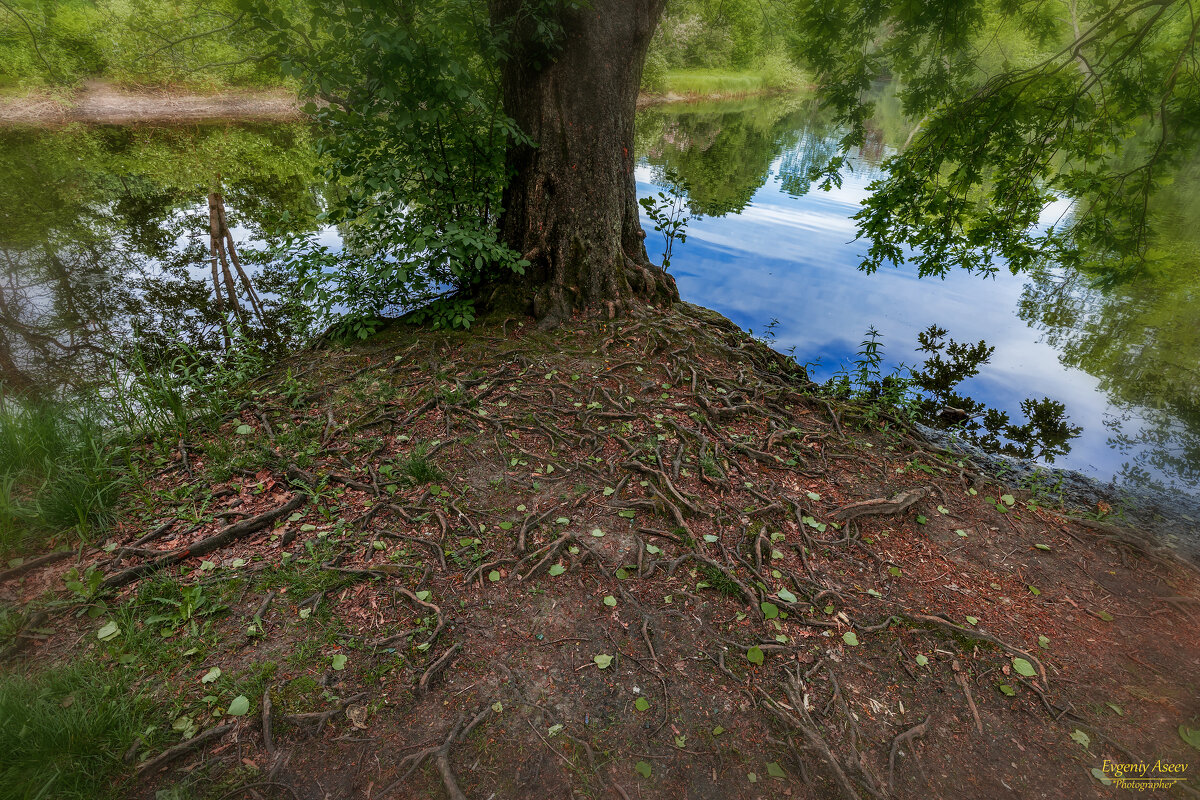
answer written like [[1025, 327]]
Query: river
[[103, 233]]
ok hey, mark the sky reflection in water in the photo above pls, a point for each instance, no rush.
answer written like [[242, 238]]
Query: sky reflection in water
[[794, 259]]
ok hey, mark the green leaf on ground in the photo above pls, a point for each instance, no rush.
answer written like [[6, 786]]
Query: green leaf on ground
[[211, 675], [1045, 547], [1084, 740], [1006, 689], [922, 661], [109, 631], [717, 731], [895, 572], [774, 770], [602, 661], [1099, 775], [1190, 735], [239, 707], [244, 430], [755, 655], [338, 662], [494, 575], [769, 610], [786, 596], [610, 601], [642, 704], [556, 570], [643, 768], [628, 513], [1044, 642], [1104, 615], [973, 620], [850, 638], [1023, 667]]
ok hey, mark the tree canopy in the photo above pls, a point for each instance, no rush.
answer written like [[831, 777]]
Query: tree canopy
[[1019, 104]]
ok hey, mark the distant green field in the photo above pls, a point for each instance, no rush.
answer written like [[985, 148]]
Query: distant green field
[[726, 82]]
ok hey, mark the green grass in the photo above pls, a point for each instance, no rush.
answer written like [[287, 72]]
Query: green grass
[[773, 74], [59, 471], [63, 733], [419, 469], [708, 82]]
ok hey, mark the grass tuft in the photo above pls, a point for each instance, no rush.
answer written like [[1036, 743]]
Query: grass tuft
[[58, 471], [64, 732]]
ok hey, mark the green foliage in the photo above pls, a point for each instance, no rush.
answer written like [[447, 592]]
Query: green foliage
[[719, 34], [65, 731], [160, 393], [201, 42], [446, 313], [415, 134], [59, 470], [1093, 105]]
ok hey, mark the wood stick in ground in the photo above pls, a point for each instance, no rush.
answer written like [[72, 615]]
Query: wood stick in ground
[[906, 736], [167, 756], [205, 546]]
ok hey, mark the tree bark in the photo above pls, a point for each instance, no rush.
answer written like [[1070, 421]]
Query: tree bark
[[570, 207]]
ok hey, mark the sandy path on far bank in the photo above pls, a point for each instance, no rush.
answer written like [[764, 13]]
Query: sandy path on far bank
[[102, 103]]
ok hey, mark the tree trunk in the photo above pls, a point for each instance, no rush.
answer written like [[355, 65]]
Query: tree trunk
[[570, 207]]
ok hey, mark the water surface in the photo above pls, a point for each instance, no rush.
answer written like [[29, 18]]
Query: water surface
[[103, 238]]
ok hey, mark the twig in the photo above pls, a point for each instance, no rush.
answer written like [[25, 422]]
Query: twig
[[183, 748], [205, 546]]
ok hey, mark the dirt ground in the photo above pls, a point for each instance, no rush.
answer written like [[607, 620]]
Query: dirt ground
[[97, 102], [101, 103], [634, 559]]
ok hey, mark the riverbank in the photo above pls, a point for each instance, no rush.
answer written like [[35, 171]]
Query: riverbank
[[644, 558], [101, 103]]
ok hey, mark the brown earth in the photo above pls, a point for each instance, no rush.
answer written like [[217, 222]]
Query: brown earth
[[631, 559], [102, 103]]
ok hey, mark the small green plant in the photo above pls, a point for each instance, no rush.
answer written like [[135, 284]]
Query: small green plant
[[446, 313], [668, 210], [353, 328], [419, 469], [182, 388], [179, 607]]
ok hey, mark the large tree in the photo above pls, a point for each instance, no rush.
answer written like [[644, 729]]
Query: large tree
[[491, 148], [570, 206]]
